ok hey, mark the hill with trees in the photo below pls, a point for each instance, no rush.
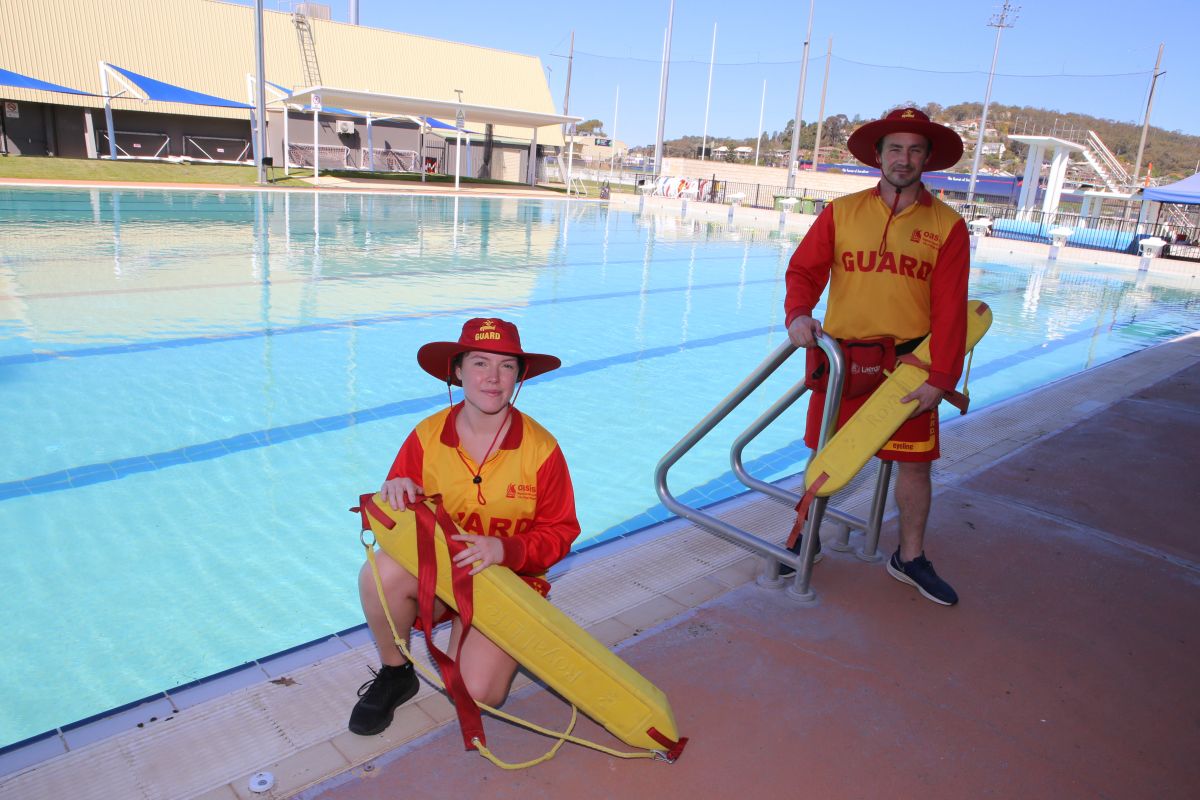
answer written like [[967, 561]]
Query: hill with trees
[[1173, 154]]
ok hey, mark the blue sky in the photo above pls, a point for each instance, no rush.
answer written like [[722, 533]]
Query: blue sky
[[1089, 56]]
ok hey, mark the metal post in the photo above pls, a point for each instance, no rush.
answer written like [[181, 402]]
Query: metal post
[[612, 159], [370, 146], [791, 178], [459, 121], [870, 547], [533, 159], [287, 144], [821, 113], [1137, 167], [999, 22], [260, 103], [761, 107], [316, 148], [708, 97], [108, 118], [662, 91], [568, 128], [251, 86]]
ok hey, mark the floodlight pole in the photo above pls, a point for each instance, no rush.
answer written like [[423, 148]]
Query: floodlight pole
[[999, 22], [260, 104], [708, 97], [1137, 167], [795, 152]]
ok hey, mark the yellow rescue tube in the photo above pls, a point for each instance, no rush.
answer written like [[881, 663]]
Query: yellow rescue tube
[[544, 640], [881, 416]]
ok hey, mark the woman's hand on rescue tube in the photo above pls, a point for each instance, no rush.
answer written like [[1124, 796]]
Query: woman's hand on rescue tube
[[804, 331], [482, 551], [400, 493]]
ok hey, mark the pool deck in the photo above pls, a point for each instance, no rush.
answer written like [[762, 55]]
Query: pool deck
[[1068, 670], [1063, 518]]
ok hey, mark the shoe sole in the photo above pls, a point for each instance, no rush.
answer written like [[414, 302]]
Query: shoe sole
[[900, 576], [391, 714]]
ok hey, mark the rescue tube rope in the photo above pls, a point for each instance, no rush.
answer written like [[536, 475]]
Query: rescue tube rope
[[432, 677]]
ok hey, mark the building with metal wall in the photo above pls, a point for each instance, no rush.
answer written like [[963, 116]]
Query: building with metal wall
[[209, 47]]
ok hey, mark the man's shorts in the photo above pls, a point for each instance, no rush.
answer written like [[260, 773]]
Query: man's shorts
[[916, 440]]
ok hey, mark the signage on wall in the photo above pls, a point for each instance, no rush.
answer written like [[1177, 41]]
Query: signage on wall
[[11, 110], [604, 143]]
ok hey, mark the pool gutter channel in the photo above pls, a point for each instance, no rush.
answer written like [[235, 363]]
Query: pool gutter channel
[[287, 713]]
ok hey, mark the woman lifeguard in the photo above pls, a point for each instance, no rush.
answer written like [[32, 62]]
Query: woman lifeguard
[[505, 482]]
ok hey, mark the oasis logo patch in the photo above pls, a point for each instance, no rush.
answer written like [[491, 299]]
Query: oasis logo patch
[[927, 238], [522, 491]]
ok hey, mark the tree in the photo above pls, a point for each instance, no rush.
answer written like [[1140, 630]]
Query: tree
[[590, 127]]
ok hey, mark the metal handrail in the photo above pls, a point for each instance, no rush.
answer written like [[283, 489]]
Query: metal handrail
[[802, 562]]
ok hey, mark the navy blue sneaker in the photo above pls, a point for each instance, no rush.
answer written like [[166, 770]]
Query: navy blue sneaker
[[379, 697], [786, 571], [919, 573]]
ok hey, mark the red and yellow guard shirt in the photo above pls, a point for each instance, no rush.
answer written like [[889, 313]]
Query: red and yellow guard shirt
[[905, 283], [530, 503]]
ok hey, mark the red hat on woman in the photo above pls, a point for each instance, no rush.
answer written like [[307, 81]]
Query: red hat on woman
[[489, 335], [945, 146]]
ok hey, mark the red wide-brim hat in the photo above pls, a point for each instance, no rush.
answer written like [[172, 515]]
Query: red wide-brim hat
[[489, 335], [946, 146]]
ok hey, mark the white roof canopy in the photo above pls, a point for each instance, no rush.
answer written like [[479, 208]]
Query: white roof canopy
[[386, 104]]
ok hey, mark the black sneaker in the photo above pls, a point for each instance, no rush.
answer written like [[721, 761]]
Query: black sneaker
[[379, 697], [785, 570], [919, 573]]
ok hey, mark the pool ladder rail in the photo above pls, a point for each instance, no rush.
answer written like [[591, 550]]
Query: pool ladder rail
[[802, 562]]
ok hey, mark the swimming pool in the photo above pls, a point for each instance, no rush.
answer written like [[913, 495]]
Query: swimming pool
[[196, 386]]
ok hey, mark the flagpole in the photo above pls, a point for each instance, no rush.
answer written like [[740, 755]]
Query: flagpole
[[708, 97], [797, 123], [761, 107], [662, 91]]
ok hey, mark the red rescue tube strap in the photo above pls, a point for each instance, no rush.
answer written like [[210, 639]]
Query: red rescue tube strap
[[674, 749], [802, 508], [470, 721]]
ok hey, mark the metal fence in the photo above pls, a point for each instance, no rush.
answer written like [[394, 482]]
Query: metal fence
[[1114, 234], [761, 195]]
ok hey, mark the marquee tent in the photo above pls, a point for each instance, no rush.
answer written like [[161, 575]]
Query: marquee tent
[[1185, 192]]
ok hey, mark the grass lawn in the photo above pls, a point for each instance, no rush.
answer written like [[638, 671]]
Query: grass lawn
[[91, 169]]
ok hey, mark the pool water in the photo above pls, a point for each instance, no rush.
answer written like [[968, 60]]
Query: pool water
[[194, 388]]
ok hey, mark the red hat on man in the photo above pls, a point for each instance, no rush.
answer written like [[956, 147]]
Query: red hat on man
[[945, 146], [489, 335]]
